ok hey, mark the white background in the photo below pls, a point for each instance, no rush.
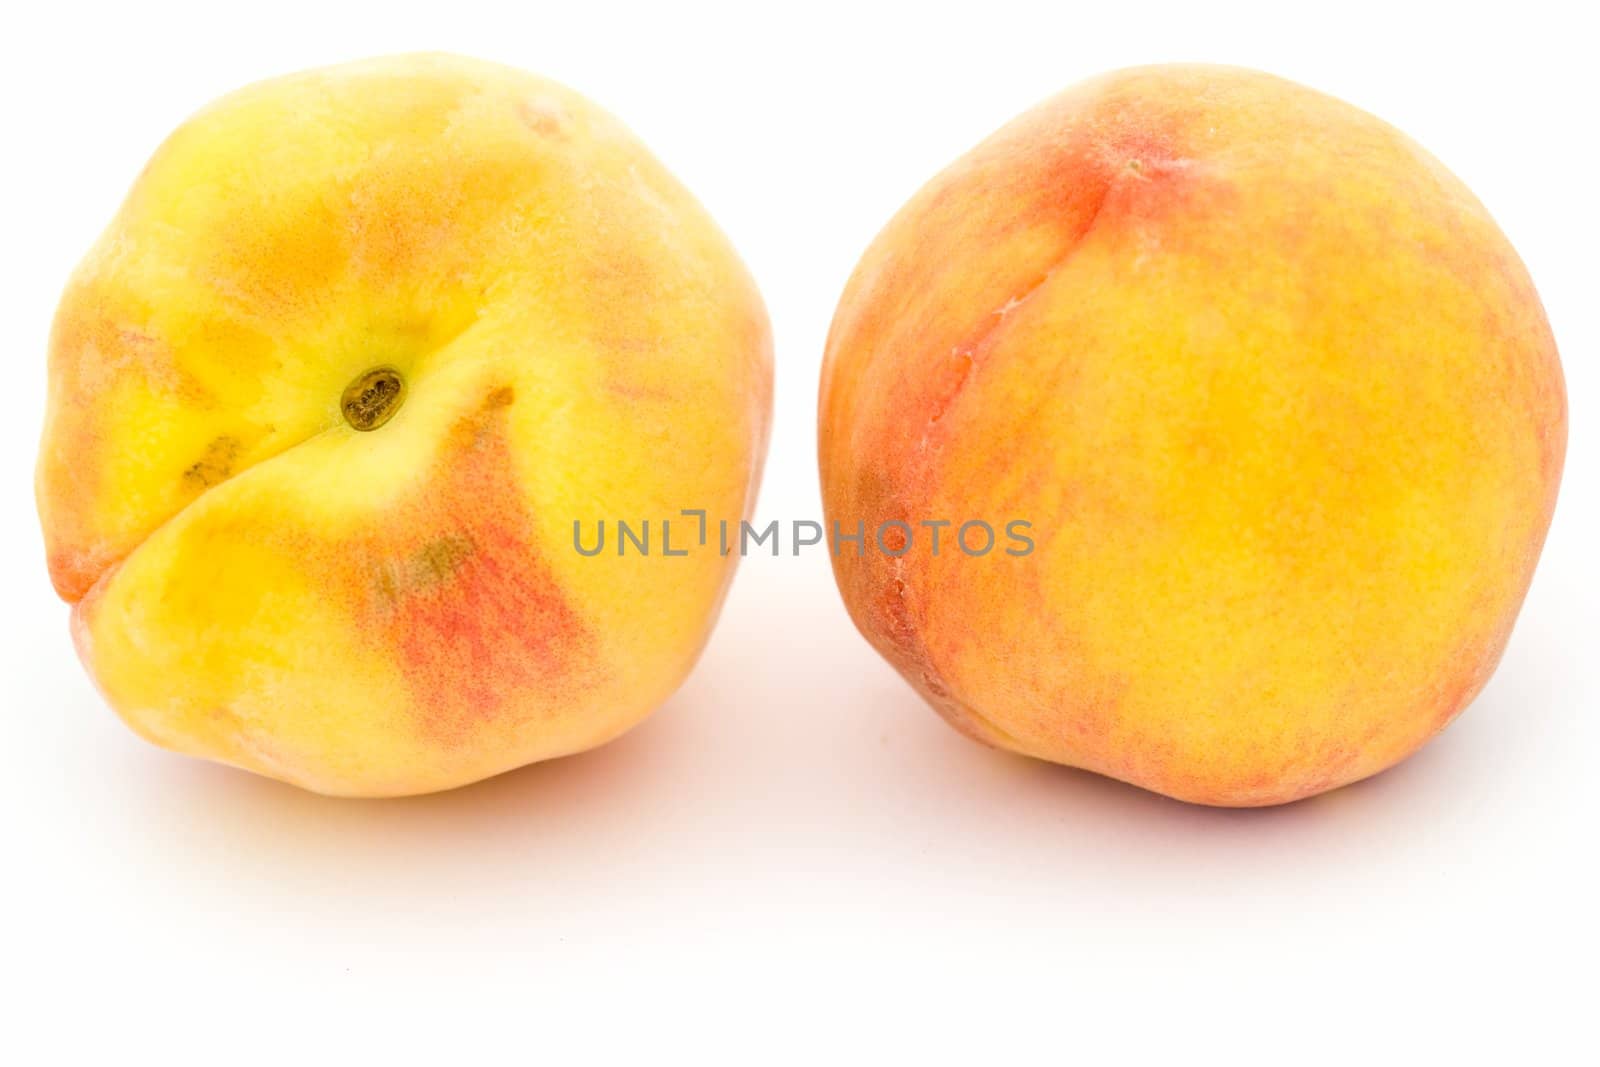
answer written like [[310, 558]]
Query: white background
[[794, 859]]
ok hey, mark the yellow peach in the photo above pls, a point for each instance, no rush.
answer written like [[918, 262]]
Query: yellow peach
[[327, 398], [1276, 397]]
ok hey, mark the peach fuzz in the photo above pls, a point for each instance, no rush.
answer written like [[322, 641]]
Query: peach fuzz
[[327, 397], [1275, 393]]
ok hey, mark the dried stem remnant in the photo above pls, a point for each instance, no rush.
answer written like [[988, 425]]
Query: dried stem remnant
[[373, 398]]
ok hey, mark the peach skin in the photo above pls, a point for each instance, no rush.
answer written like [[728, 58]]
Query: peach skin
[[1276, 396], [328, 396]]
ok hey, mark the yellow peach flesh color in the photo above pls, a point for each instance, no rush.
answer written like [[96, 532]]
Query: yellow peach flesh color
[[1277, 397], [329, 394]]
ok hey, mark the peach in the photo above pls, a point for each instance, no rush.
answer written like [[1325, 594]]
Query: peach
[[327, 398], [1276, 397]]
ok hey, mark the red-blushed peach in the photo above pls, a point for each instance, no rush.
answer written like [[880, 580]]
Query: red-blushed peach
[[329, 395], [1276, 396]]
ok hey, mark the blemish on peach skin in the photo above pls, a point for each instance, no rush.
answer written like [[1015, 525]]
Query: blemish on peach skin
[[215, 465], [473, 615], [546, 118]]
